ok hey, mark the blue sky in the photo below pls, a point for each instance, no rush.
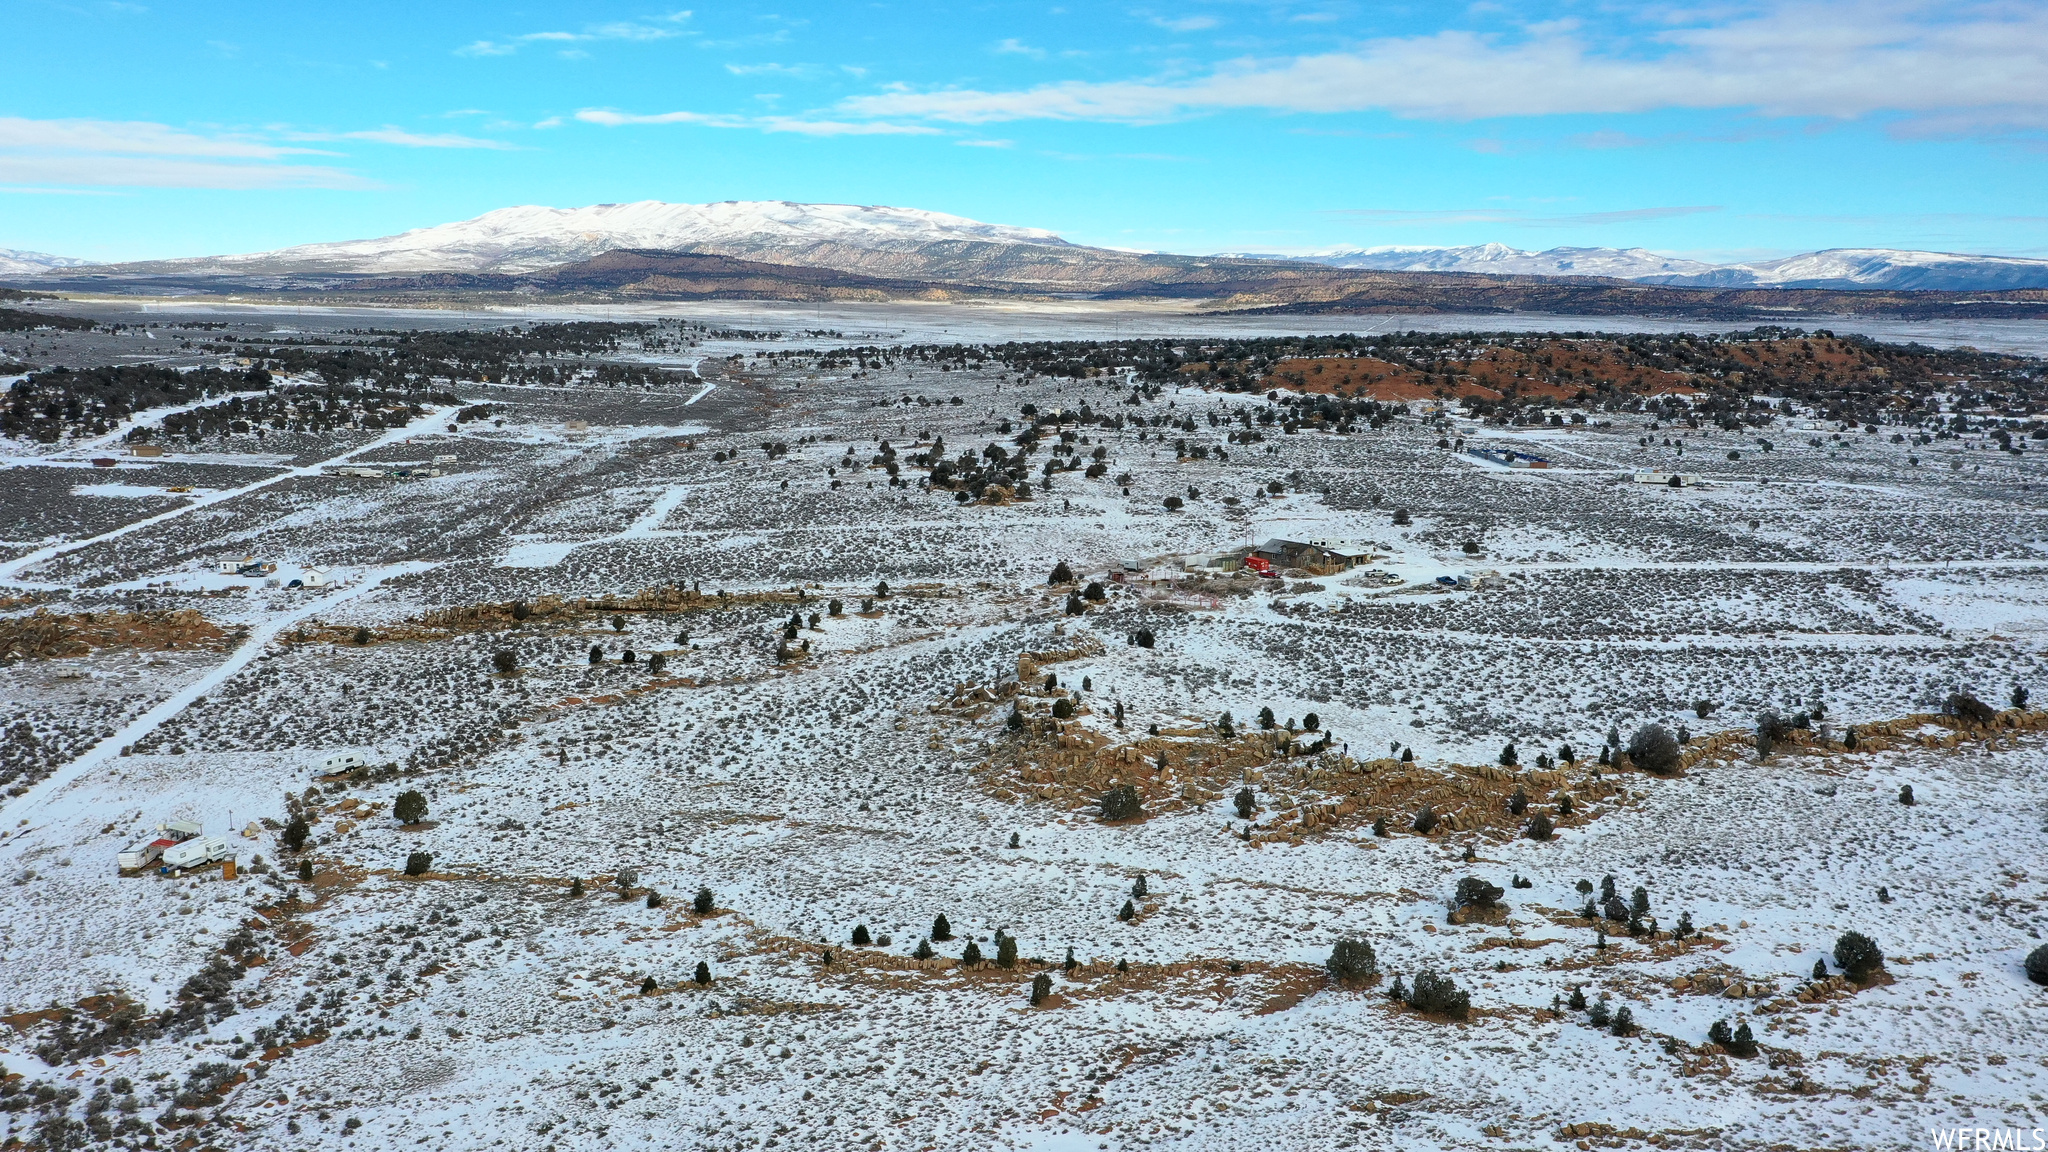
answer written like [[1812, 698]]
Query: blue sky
[[1721, 131]]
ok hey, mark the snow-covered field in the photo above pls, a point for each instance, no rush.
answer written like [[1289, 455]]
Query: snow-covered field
[[866, 776]]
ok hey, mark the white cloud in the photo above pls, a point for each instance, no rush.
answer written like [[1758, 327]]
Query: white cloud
[[1972, 70], [133, 137], [617, 30], [134, 153], [404, 139], [799, 71], [1015, 47], [1185, 23], [793, 124]]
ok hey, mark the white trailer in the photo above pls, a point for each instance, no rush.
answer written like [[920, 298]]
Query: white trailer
[[169, 834], [195, 853]]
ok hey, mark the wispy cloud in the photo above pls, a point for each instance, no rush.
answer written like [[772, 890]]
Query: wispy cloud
[[1185, 23], [1015, 47], [135, 153], [404, 139], [799, 71], [663, 28], [792, 124], [1936, 68]]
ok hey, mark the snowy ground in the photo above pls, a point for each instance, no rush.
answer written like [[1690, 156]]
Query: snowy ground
[[482, 1004]]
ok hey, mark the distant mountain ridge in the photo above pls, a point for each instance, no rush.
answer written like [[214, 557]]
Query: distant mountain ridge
[[882, 249], [14, 262], [531, 237], [1837, 268]]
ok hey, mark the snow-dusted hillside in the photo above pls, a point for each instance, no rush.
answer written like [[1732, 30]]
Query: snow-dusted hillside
[[1833, 268], [14, 262], [530, 237], [1878, 268], [1623, 263]]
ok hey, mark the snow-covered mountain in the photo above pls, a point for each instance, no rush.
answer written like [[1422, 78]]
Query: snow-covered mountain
[[1622, 263], [1876, 268], [14, 262], [531, 237], [1832, 268]]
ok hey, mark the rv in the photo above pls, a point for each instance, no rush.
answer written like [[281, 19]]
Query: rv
[[194, 853], [169, 834]]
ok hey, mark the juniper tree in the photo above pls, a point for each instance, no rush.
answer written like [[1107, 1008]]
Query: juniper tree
[[942, 929], [1128, 912], [1540, 827], [1606, 888], [2037, 965], [1379, 826], [295, 835], [835, 608], [419, 863], [1600, 1015], [1006, 951], [1624, 1021], [1685, 927], [596, 654], [1578, 1000], [1266, 720], [1439, 995], [648, 986], [1016, 841], [704, 903], [1653, 750], [1225, 728], [1718, 1033], [860, 936], [1585, 887], [1476, 893], [2019, 695], [1061, 574], [1565, 754], [1353, 960], [1518, 803], [1639, 901], [1425, 820], [1069, 964], [305, 869], [1858, 956], [970, 955], [703, 974], [1138, 887], [1820, 969], [924, 951], [1041, 988], [1906, 794], [1395, 991], [1508, 756], [576, 886], [1246, 802], [657, 664], [1407, 755], [410, 807], [1745, 1041], [1144, 638], [505, 662], [653, 899], [1564, 804]]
